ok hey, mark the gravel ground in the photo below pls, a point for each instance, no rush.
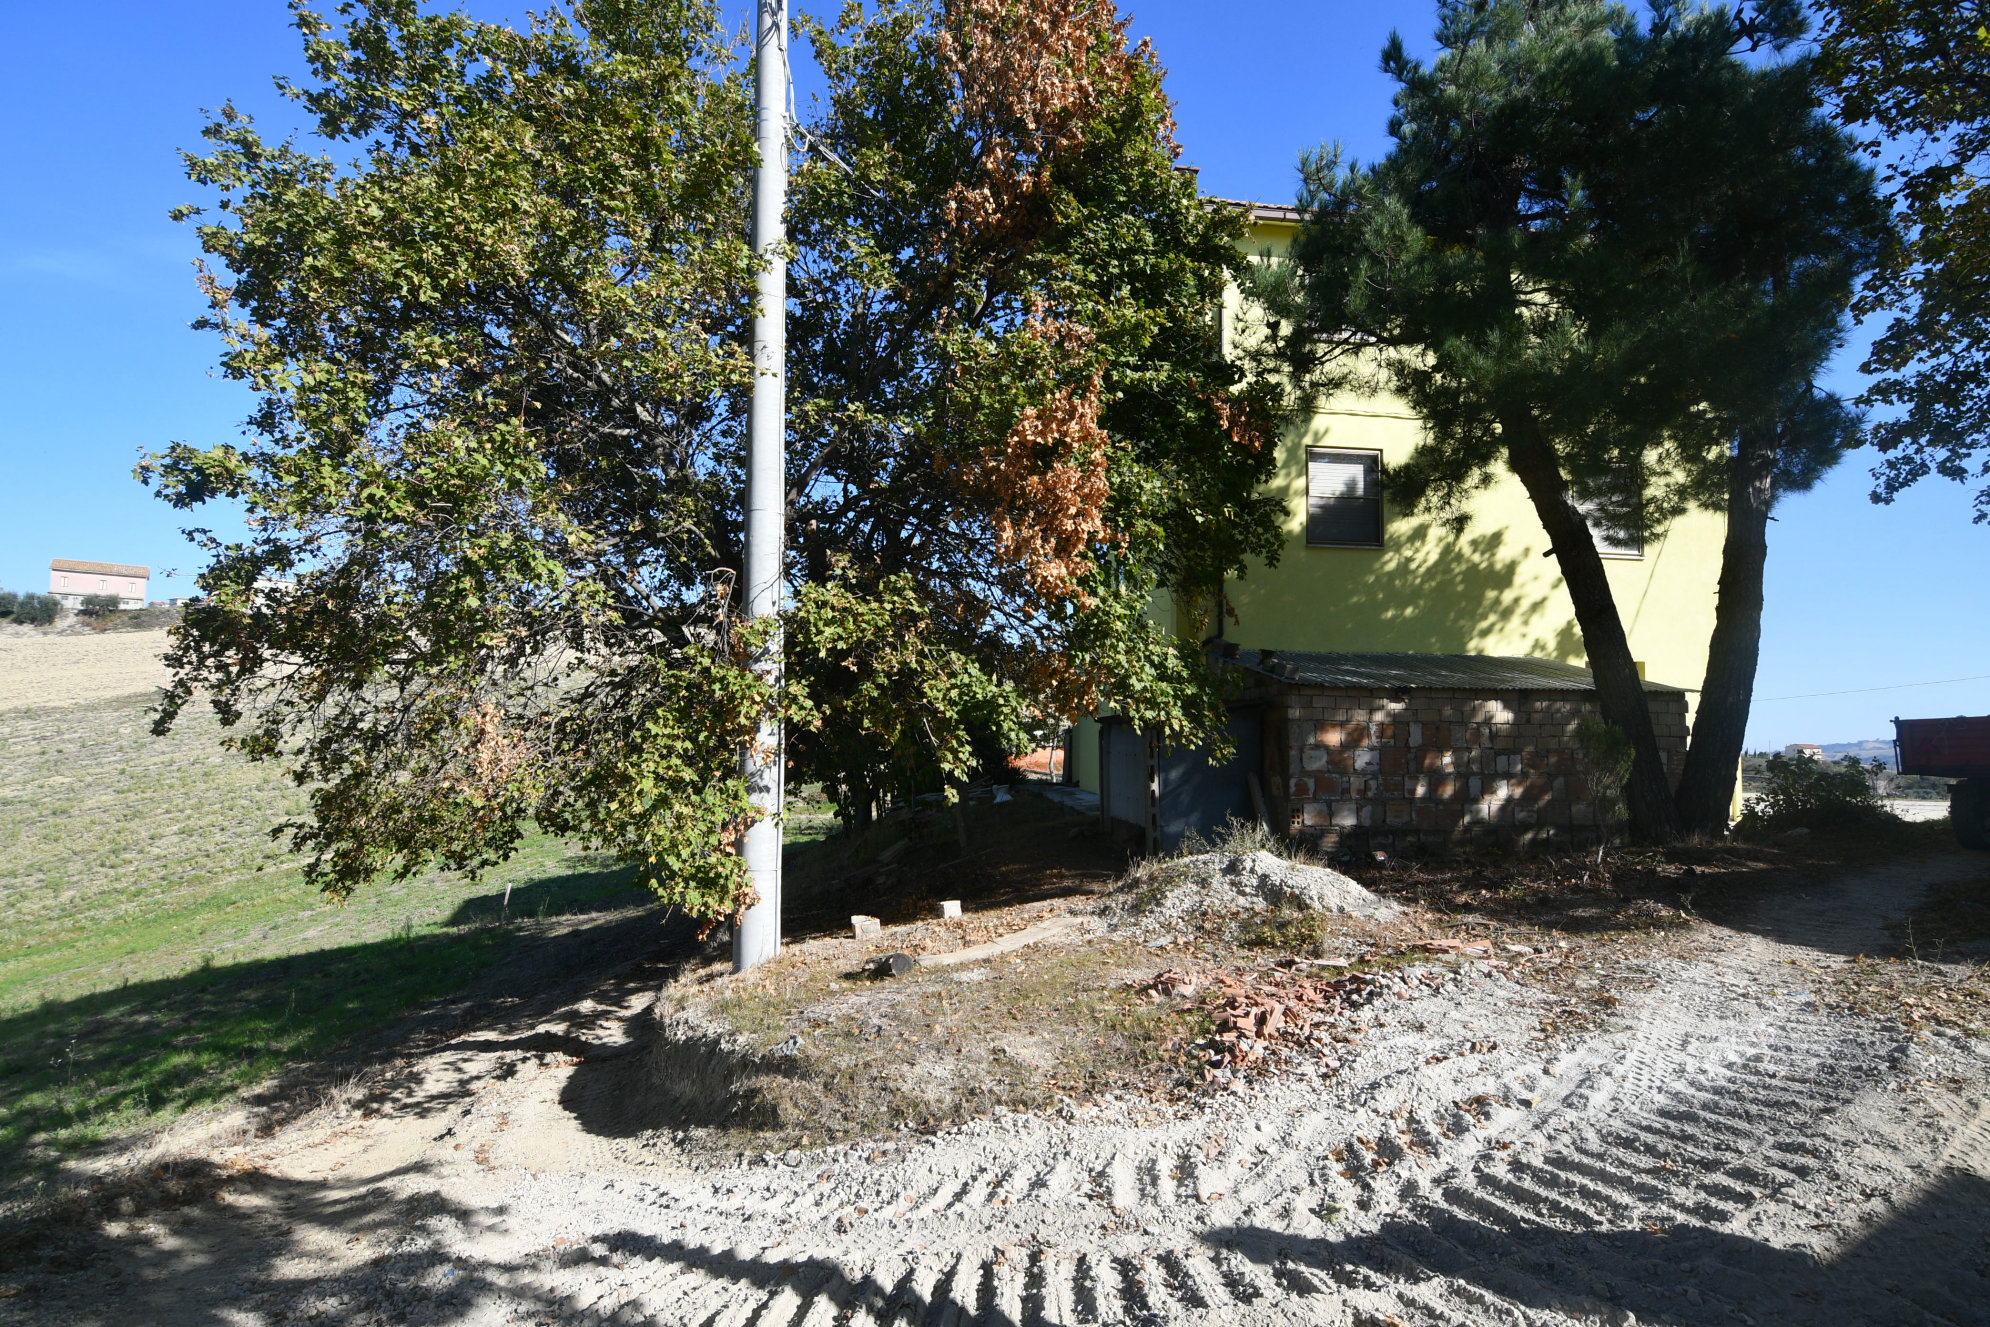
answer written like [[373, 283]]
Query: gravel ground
[[1725, 1151]]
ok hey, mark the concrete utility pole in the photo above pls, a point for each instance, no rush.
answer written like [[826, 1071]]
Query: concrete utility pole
[[758, 937]]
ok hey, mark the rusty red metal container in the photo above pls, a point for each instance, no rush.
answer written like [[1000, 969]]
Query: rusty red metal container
[[1957, 748]]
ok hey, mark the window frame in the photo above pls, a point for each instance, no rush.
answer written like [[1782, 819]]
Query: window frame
[[1585, 507], [1381, 514]]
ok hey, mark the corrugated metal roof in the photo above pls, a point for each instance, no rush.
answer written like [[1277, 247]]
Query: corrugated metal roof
[[1451, 672], [100, 568], [1277, 213]]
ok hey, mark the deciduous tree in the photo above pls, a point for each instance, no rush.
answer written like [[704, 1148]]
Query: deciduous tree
[[500, 360]]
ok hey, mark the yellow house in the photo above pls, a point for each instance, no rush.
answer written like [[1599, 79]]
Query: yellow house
[[1358, 577]]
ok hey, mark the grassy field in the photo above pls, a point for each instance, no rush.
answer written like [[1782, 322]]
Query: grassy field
[[160, 952]]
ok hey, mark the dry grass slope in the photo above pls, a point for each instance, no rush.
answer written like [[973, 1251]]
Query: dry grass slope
[[161, 950]]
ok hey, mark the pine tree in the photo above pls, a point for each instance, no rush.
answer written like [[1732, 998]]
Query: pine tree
[[1917, 73], [1575, 266]]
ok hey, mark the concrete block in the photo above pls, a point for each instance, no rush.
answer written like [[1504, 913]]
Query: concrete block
[[866, 928], [949, 908]]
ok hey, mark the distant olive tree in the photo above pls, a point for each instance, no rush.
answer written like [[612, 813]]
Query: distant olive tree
[[99, 605], [37, 610], [9, 601]]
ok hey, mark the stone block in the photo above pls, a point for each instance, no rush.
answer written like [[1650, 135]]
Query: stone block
[[949, 908], [1302, 788], [1367, 760], [866, 928]]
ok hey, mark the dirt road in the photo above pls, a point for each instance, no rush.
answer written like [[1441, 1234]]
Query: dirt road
[[1728, 1151]]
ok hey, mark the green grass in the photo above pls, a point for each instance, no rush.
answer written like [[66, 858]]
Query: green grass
[[161, 952]]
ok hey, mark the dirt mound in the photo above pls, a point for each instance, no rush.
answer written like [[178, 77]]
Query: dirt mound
[[1229, 884]]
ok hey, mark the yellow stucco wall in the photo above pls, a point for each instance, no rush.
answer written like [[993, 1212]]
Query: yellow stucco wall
[[1487, 589]]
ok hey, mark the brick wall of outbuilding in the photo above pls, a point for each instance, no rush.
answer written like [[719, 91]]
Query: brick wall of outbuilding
[[1436, 768]]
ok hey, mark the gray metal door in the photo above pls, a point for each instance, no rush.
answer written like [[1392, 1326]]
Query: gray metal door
[[1196, 795], [1124, 764]]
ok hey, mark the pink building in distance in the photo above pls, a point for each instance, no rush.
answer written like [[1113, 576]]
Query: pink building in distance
[[69, 581]]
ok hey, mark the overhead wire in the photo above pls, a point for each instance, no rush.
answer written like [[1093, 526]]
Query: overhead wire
[[1860, 691]]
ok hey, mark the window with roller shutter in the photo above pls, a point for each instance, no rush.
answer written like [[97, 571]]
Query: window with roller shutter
[[1610, 542], [1343, 498]]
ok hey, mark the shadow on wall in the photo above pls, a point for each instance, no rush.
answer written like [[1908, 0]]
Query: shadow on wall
[[1429, 592]]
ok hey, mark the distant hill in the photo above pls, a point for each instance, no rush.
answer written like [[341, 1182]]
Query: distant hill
[[1880, 748]]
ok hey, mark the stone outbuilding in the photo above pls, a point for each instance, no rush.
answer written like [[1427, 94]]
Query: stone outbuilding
[[1451, 749], [1387, 751]]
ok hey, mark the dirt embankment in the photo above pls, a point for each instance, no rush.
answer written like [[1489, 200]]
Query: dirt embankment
[[37, 670]]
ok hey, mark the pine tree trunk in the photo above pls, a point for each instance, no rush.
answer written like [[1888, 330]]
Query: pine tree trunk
[[1706, 791], [1620, 692]]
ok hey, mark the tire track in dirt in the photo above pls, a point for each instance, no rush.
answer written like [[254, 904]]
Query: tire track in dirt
[[1681, 1169], [1728, 1152]]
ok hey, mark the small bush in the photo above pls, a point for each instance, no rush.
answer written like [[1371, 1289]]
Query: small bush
[[99, 605], [37, 610], [1606, 769], [9, 601], [1807, 793]]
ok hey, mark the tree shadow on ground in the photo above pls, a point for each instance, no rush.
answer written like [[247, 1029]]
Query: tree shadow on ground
[[1927, 1263], [214, 1246], [1835, 877], [81, 1076], [577, 894], [1024, 850]]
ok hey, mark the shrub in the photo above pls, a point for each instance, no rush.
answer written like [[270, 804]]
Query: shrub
[[99, 605], [1808, 793], [9, 601], [37, 610], [1606, 768]]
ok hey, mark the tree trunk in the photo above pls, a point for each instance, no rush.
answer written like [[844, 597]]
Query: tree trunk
[[1707, 790], [1620, 692]]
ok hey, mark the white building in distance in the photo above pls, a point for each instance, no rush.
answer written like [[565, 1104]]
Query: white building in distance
[[70, 581]]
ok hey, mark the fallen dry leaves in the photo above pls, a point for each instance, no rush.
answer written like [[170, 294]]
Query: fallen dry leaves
[[1253, 1012]]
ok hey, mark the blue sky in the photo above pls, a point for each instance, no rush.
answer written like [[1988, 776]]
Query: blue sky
[[97, 361]]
